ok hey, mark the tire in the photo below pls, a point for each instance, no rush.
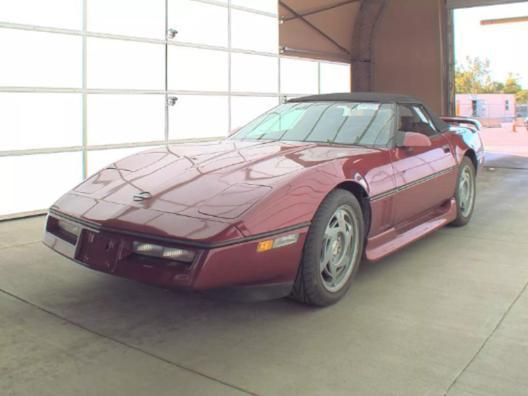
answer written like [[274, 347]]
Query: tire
[[466, 192], [338, 219]]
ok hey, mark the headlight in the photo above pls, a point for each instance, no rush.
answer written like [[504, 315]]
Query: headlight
[[163, 252], [70, 228]]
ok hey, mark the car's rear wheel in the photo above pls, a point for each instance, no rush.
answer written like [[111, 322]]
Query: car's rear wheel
[[332, 250], [466, 193]]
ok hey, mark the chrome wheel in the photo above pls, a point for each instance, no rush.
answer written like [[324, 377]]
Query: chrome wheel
[[339, 249], [466, 191]]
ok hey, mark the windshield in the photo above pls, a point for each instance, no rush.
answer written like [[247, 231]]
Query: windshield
[[366, 124]]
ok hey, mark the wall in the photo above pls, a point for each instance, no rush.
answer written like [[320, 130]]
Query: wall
[[336, 20], [408, 44], [489, 105], [408, 54]]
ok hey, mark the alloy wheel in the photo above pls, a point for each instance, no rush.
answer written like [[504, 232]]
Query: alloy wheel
[[339, 249], [466, 191]]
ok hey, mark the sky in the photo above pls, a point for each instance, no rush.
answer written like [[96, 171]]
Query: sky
[[505, 45]]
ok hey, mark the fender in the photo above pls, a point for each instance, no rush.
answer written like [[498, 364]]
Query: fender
[[296, 199]]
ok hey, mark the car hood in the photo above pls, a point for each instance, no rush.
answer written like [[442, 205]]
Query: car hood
[[221, 179]]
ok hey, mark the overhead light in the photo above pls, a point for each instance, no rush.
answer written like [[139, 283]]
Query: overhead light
[[163, 252]]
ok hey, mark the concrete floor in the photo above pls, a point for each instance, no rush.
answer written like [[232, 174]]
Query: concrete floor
[[449, 315], [504, 140]]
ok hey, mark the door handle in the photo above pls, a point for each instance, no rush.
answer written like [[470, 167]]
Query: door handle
[[171, 33], [446, 149]]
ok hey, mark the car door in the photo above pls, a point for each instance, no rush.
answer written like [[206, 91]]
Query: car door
[[425, 176]]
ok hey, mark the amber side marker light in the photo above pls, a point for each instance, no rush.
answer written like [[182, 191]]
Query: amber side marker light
[[264, 246]]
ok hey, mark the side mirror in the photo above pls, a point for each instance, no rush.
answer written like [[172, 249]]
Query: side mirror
[[415, 139]]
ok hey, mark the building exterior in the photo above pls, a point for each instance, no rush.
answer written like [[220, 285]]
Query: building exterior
[[499, 107], [522, 110]]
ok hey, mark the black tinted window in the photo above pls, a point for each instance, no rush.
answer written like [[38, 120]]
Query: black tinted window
[[414, 118]]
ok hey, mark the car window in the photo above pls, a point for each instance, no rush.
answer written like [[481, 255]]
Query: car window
[[374, 129], [369, 124], [413, 118], [274, 123], [425, 117]]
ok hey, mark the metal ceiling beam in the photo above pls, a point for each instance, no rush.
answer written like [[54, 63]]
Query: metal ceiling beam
[[319, 10], [313, 27], [501, 21], [318, 54]]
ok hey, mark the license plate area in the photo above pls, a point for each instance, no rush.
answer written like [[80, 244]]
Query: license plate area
[[98, 250]]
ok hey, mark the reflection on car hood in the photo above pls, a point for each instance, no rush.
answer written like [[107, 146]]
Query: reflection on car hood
[[222, 179]]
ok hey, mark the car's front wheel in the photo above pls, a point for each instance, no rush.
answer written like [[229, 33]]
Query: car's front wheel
[[332, 250], [466, 193]]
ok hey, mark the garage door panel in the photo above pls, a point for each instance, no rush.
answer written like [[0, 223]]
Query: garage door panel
[[116, 119], [194, 69], [138, 18], [198, 23], [36, 181], [120, 64], [40, 120], [197, 117], [40, 59]]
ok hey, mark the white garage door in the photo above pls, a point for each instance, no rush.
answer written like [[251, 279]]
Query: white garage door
[[85, 82]]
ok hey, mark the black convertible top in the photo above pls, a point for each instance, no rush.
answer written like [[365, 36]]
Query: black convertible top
[[376, 97]]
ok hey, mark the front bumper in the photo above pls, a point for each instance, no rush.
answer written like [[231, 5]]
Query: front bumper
[[233, 269]]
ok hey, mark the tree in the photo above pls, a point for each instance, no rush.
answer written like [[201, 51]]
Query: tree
[[522, 96], [474, 76], [494, 87], [512, 85]]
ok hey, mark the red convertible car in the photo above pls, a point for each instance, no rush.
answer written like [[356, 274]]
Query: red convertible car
[[288, 205]]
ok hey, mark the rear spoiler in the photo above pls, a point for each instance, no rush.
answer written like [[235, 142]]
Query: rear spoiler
[[463, 121]]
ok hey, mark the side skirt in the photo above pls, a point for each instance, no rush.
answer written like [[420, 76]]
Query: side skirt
[[394, 239]]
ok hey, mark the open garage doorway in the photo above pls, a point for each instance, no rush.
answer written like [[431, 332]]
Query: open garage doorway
[[491, 77]]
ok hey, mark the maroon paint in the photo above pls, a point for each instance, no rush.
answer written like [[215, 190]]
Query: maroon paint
[[225, 191], [414, 139]]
